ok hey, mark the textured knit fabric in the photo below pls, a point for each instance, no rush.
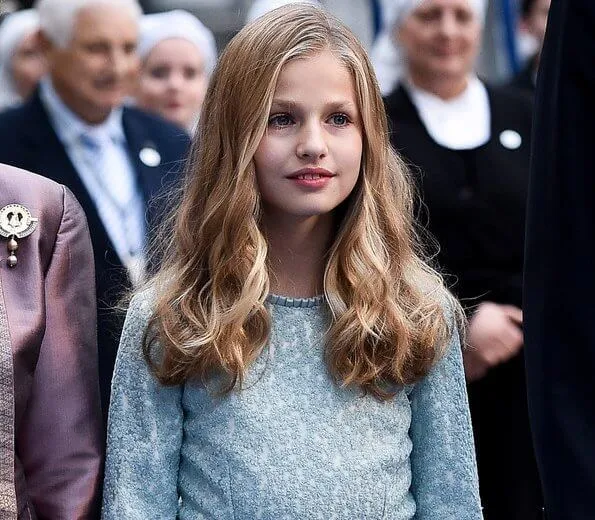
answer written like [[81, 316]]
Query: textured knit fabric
[[292, 444]]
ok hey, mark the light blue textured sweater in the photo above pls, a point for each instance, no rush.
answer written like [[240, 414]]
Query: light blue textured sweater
[[292, 444]]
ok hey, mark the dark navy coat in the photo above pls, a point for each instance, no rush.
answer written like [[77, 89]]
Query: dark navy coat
[[30, 142], [559, 292]]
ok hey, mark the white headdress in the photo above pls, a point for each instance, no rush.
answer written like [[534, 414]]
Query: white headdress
[[13, 30], [155, 28]]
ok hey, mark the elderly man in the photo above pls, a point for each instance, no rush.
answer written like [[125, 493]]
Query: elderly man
[[114, 159]]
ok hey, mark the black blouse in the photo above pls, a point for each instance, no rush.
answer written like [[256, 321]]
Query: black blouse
[[473, 200]]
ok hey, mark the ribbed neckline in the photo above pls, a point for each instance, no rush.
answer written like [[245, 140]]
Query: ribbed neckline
[[285, 301]]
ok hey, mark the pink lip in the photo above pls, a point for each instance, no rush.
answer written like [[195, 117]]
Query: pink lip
[[320, 172], [313, 178]]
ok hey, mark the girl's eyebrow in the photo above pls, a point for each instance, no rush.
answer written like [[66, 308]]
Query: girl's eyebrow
[[289, 105], [283, 104], [342, 105]]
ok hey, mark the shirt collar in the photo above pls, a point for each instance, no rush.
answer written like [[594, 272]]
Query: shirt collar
[[69, 126], [460, 123]]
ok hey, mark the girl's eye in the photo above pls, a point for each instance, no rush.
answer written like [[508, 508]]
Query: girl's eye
[[159, 72], [193, 72], [190, 73], [339, 120], [280, 120]]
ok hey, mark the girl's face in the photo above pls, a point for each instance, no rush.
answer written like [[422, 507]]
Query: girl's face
[[309, 159], [28, 65], [441, 39], [173, 81]]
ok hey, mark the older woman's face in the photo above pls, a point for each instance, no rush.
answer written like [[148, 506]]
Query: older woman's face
[[173, 81], [28, 65], [441, 38]]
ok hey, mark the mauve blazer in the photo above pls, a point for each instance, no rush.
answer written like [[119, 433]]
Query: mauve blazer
[[50, 424]]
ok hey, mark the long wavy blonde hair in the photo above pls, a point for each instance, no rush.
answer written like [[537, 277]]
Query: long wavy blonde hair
[[388, 306]]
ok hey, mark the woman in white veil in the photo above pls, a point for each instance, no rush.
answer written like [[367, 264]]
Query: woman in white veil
[[21, 61], [178, 54]]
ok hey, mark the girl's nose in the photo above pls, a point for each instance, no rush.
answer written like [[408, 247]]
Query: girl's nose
[[312, 143]]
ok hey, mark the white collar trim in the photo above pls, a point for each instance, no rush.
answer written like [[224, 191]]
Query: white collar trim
[[460, 123]]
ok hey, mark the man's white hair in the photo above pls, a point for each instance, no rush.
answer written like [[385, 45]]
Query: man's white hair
[[57, 17]]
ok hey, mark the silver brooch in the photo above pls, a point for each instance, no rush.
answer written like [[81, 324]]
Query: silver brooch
[[15, 222]]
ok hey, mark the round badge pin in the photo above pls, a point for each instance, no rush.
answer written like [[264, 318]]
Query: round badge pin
[[150, 157], [511, 139], [16, 220]]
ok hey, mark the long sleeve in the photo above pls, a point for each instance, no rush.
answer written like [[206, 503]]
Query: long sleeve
[[144, 432], [444, 474], [560, 255], [60, 439]]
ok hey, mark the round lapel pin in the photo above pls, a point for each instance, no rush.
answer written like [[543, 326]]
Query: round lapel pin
[[15, 222], [511, 139], [150, 157]]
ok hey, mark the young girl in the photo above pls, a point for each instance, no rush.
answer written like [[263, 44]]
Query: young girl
[[294, 358]]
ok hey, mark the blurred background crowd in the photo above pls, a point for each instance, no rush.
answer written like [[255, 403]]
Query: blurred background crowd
[[513, 33], [462, 116]]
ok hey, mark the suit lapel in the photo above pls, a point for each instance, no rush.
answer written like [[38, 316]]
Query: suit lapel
[[54, 163], [139, 141]]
